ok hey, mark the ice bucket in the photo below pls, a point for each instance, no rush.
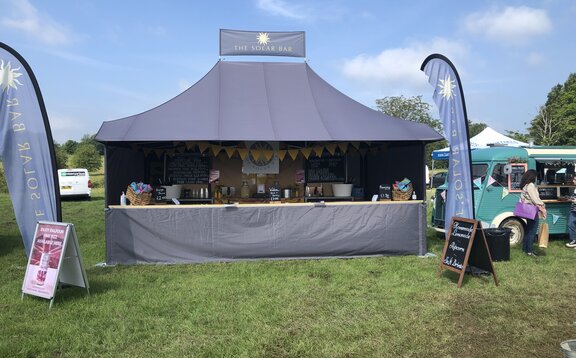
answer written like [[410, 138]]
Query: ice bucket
[[342, 189]]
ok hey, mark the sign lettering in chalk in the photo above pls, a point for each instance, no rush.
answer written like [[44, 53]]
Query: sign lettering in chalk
[[326, 169], [160, 193], [188, 169], [516, 176], [274, 194], [462, 249], [385, 192]]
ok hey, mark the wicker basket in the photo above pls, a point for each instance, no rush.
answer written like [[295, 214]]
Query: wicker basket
[[402, 195], [138, 199]]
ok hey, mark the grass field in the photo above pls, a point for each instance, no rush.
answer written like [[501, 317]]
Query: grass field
[[364, 307]]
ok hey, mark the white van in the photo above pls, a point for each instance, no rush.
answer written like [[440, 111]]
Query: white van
[[74, 183]]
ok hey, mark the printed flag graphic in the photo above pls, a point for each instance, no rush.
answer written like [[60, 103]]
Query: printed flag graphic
[[26, 146], [449, 98]]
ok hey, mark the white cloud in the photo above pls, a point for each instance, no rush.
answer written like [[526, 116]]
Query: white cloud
[[535, 59], [25, 17], [282, 8], [399, 68], [510, 26]]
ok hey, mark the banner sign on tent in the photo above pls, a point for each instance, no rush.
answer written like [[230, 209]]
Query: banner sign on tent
[[449, 98], [241, 43], [26, 146], [54, 259]]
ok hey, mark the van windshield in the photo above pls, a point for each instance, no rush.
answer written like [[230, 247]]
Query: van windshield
[[478, 171]]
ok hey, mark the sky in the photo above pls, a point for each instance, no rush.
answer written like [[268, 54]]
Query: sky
[[100, 60]]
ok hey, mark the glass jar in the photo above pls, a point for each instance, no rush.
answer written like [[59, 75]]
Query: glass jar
[[245, 190]]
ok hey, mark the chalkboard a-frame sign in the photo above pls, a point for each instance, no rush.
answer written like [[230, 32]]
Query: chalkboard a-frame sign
[[465, 245]]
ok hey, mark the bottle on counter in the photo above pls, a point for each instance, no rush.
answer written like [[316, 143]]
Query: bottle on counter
[[413, 195], [244, 190], [123, 199]]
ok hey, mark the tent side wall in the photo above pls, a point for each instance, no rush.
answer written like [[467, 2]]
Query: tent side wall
[[122, 166], [400, 160]]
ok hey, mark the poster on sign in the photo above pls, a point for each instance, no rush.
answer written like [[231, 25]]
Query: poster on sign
[[44, 262], [55, 259]]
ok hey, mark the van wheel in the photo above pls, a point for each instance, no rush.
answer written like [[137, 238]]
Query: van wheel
[[517, 227]]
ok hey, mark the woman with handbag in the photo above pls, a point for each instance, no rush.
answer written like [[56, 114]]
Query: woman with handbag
[[530, 196]]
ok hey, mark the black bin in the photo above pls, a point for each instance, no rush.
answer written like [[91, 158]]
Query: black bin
[[498, 240]]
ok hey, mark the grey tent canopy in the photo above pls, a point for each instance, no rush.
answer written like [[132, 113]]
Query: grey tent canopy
[[268, 101]]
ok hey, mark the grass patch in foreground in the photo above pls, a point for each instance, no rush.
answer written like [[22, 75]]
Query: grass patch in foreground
[[364, 307]]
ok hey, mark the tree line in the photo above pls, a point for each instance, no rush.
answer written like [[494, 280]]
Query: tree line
[[555, 123], [84, 154]]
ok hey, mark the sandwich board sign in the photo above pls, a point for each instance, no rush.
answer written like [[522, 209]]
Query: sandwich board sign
[[466, 246], [54, 260]]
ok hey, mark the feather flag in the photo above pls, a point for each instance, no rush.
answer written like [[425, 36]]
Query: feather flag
[[449, 98], [26, 146]]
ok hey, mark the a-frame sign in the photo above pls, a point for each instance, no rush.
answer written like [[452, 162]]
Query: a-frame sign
[[54, 260], [465, 246]]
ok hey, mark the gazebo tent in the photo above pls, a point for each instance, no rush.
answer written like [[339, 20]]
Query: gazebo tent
[[265, 101], [483, 139]]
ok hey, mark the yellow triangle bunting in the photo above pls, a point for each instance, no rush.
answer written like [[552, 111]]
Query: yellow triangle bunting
[[306, 152], [243, 152], [293, 153]]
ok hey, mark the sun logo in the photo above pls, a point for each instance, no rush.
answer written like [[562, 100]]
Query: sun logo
[[263, 38], [8, 76], [447, 87]]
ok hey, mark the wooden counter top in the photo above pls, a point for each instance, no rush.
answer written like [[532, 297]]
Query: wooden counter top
[[237, 205]]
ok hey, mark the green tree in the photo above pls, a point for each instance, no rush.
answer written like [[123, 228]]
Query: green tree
[[70, 146], [475, 128], [415, 110], [409, 108], [61, 156], [555, 123], [91, 140], [523, 137], [86, 156]]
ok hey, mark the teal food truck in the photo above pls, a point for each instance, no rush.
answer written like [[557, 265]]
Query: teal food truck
[[496, 174]]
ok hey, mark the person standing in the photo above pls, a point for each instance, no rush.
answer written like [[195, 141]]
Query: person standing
[[572, 218], [530, 196]]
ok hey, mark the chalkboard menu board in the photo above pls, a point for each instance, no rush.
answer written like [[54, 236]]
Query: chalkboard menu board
[[460, 237], [461, 249], [326, 169], [274, 194], [188, 169], [160, 194], [515, 176], [385, 192]]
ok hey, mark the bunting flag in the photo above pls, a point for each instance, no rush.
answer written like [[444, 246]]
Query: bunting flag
[[293, 153], [331, 148], [230, 151], [491, 181], [203, 146], [26, 147], [504, 192], [215, 149], [555, 218], [282, 154], [243, 152], [478, 182], [306, 152], [449, 98]]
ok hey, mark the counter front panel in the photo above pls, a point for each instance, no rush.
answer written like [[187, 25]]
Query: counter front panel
[[184, 234]]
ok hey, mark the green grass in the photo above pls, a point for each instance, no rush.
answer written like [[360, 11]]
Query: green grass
[[364, 307]]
